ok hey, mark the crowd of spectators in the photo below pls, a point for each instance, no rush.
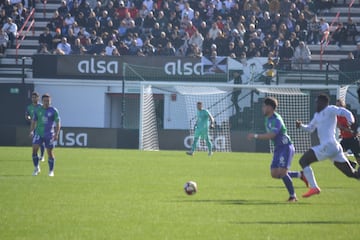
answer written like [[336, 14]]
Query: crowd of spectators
[[12, 16], [279, 29]]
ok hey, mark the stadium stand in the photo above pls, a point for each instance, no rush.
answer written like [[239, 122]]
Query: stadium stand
[[188, 28]]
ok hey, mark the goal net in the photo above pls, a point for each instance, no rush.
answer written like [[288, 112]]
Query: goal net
[[179, 111]]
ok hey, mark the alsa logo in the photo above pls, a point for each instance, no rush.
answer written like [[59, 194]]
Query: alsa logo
[[98, 66], [71, 139], [180, 68]]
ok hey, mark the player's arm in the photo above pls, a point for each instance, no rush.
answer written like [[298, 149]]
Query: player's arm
[[32, 127], [212, 120], [57, 125], [271, 134], [263, 136], [27, 115], [307, 127]]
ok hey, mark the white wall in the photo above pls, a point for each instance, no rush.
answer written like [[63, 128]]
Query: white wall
[[78, 105]]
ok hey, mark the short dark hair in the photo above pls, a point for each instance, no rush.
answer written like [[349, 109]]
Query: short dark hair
[[324, 98], [46, 95], [35, 94], [271, 101], [199, 103]]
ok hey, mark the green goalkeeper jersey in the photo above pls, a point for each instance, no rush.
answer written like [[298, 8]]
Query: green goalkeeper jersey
[[203, 117]]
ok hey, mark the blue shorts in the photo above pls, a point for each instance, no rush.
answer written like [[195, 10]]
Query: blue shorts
[[48, 141], [283, 156]]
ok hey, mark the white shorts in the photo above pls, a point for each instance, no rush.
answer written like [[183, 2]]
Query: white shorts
[[331, 150]]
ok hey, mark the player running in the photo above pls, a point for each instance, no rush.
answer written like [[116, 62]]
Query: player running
[[284, 149], [29, 113], [45, 118], [324, 121], [202, 128], [348, 134]]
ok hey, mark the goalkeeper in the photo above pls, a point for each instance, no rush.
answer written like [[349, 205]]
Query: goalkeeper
[[202, 128]]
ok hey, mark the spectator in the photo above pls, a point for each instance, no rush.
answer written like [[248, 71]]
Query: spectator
[[230, 50], [115, 52], [339, 35], [104, 19], [197, 39], [109, 48], [294, 40], [133, 48], [75, 9], [69, 20], [56, 39], [85, 8], [3, 17], [63, 48], [63, 9], [81, 20], [4, 39], [302, 56], [314, 31], [11, 30], [45, 38], [214, 31], [187, 11], [263, 50], [91, 20], [351, 30], [286, 54], [76, 47], [324, 29], [169, 50], [252, 51], [44, 50], [356, 52], [55, 22], [148, 49]]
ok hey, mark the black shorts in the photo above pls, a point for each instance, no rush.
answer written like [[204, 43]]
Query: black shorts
[[352, 144]]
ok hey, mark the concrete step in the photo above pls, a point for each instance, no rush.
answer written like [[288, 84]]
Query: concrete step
[[48, 7], [21, 52], [5, 61], [332, 48]]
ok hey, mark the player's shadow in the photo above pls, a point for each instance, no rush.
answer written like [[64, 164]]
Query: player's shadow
[[239, 202], [312, 222]]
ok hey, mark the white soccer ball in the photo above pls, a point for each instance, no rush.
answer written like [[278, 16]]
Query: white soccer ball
[[190, 188]]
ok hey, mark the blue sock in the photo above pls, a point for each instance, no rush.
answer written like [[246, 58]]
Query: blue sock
[[35, 159], [289, 185], [42, 149], [294, 174], [51, 162]]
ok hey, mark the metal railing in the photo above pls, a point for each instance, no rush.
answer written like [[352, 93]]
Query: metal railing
[[326, 39], [29, 24]]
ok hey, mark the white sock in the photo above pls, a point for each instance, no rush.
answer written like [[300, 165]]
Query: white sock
[[309, 174]]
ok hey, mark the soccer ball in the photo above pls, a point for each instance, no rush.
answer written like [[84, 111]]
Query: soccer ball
[[190, 188]]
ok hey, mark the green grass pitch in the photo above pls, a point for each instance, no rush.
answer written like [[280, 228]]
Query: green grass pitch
[[129, 194]]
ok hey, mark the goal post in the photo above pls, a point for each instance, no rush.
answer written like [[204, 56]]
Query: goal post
[[295, 102]]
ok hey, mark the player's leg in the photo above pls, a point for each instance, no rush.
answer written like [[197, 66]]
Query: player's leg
[[355, 148], [347, 144], [42, 152], [36, 142], [195, 142], [342, 163], [279, 168], [308, 158], [208, 142], [35, 158], [49, 144]]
